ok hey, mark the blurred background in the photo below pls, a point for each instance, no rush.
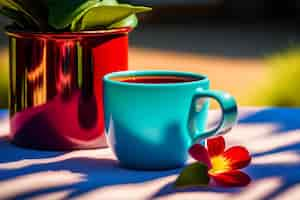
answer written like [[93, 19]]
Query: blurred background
[[248, 48]]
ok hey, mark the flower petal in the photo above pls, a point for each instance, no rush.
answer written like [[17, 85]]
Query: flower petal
[[199, 153], [215, 146], [238, 157], [233, 178]]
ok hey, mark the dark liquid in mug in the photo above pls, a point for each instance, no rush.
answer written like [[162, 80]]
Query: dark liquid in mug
[[155, 79]]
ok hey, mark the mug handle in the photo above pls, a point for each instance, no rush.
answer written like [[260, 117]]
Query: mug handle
[[229, 114]]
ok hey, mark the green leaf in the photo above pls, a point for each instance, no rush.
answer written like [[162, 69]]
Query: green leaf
[[19, 18], [9, 4], [195, 174], [130, 21], [37, 10], [33, 10], [76, 23], [74, 15], [63, 12], [109, 2], [106, 15]]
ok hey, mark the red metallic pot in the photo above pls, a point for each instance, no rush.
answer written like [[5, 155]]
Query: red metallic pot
[[56, 86]]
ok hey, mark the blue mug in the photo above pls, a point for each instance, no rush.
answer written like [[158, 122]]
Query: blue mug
[[150, 125]]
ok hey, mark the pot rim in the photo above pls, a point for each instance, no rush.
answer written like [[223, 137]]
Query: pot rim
[[66, 35]]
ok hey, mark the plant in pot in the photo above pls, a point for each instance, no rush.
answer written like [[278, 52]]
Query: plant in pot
[[59, 52]]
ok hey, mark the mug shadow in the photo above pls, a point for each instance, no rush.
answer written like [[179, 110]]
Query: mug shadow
[[97, 173], [94, 173]]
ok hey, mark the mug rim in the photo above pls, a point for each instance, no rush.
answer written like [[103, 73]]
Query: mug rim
[[202, 78]]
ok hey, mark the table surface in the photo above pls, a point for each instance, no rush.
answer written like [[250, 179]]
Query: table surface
[[272, 135]]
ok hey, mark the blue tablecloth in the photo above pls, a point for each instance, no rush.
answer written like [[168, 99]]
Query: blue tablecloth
[[271, 134]]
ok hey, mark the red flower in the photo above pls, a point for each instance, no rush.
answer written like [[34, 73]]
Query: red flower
[[223, 165]]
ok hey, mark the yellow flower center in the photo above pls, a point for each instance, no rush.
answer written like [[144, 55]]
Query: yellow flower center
[[219, 164]]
